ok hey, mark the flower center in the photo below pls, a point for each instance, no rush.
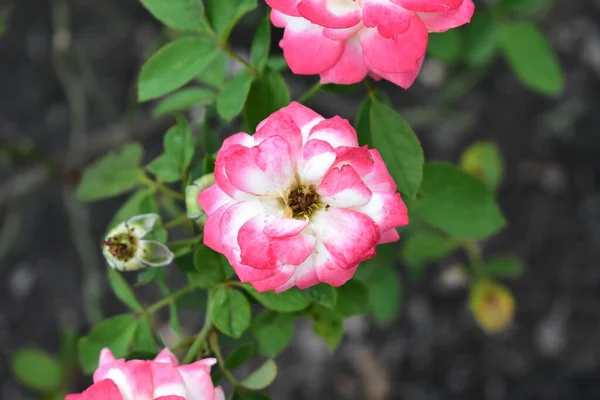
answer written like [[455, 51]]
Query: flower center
[[122, 246], [302, 202]]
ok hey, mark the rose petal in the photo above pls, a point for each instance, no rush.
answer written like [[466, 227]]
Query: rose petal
[[386, 209], [260, 250], [402, 79], [275, 159], [244, 173], [328, 270], [213, 198], [428, 5], [351, 67], [331, 13], [336, 131], [306, 50], [197, 381], [446, 19], [389, 236], [389, 19], [343, 188], [167, 381], [103, 390], [348, 235], [316, 158], [379, 179], [288, 7], [280, 124], [359, 158], [395, 55]]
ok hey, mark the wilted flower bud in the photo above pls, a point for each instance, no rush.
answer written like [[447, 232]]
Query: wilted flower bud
[[125, 249], [493, 306], [193, 208]]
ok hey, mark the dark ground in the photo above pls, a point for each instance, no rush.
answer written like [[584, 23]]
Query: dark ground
[[434, 350]]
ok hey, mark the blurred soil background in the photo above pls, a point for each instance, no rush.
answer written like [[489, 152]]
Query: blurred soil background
[[67, 95]]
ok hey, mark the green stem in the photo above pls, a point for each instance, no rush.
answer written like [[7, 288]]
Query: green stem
[[181, 243], [182, 219], [213, 340], [370, 90], [202, 335], [167, 300], [231, 53], [310, 93], [473, 251], [158, 186]]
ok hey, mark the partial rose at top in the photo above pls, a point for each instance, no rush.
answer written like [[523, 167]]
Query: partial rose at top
[[345, 40]]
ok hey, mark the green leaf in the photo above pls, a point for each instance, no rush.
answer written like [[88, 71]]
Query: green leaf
[[457, 203], [524, 6], [480, 39], [445, 46], [164, 168], [122, 290], [352, 299], [174, 65], [340, 89], [232, 98], [116, 333], [225, 14], [261, 43], [277, 63], [423, 247], [248, 396], [239, 356], [322, 293], [216, 71], [384, 293], [141, 202], [144, 337], [178, 14], [192, 301], [111, 175], [531, 57], [327, 324], [362, 122], [289, 301], [505, 267], [185, 99], [147, 275], [68, 349], [209, 268], [399, 148], [484, 161], [211, 143], [230, 311], [179, 144], [268, 94], [262, 377], [273, 331], [37, 369]]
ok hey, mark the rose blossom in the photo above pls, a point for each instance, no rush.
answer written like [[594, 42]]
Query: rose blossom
[[160, 379], [344, 40], [299, 202]]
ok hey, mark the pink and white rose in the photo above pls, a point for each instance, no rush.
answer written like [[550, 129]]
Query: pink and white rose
[[160, 379], [299, 202], [345, 40]]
